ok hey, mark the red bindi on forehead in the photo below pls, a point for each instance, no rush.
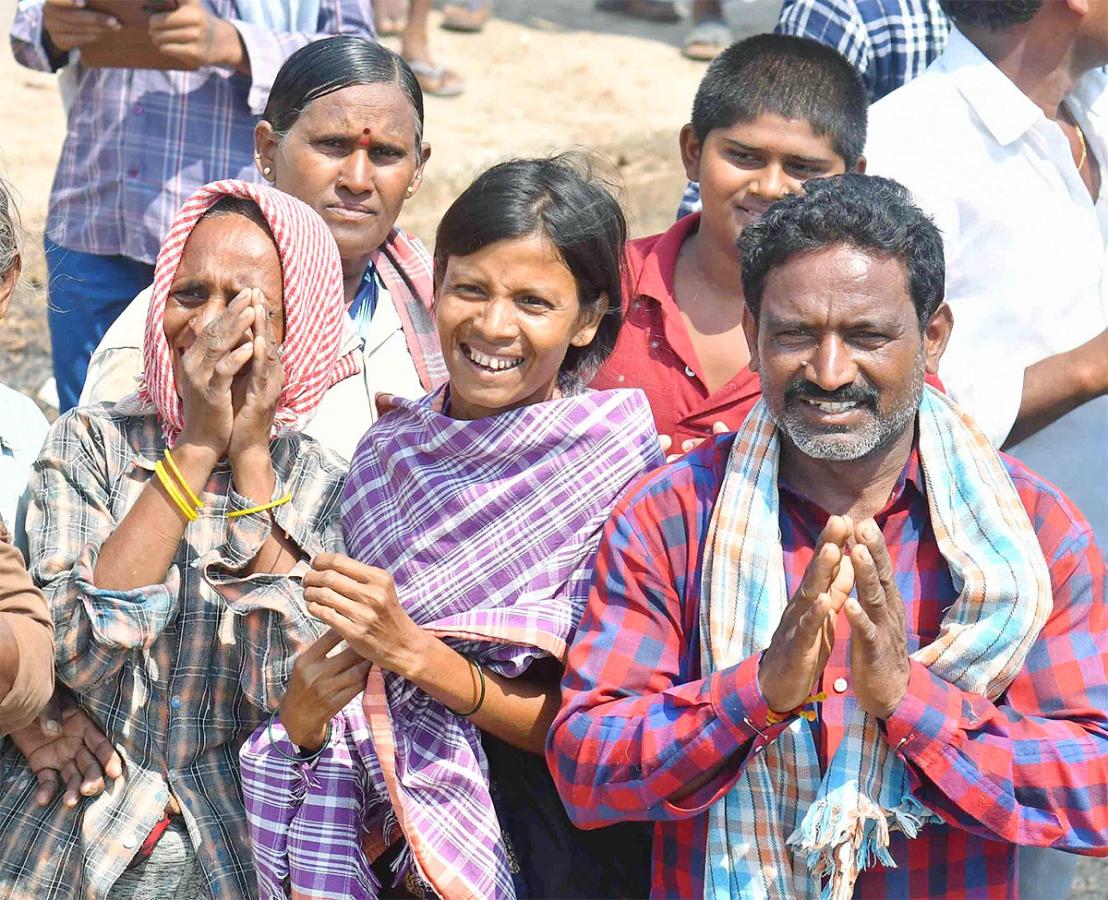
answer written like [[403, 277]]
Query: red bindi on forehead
[[363, 141]]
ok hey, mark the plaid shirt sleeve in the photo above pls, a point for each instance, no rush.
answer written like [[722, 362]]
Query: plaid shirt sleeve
[[68, 522], [1030, 768], [27, 37], [268, 49], [637, 724], [835, 23], [272, 620]]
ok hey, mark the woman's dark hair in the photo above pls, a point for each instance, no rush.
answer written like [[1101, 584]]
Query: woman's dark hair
[[788, 76], [872, 214], [323, 67], [562, 199]]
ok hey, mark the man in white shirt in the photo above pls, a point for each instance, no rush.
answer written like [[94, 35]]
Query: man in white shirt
[[1003, 140]]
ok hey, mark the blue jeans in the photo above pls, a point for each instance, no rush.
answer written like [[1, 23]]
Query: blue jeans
[[87, 292], [1046, 874]]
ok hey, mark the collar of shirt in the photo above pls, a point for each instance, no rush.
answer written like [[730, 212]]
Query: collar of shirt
[[682, 405], [659, 263], [364, 304], [909, 488], [1004, 109]]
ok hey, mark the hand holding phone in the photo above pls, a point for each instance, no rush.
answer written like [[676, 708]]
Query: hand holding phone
[[68, 25]]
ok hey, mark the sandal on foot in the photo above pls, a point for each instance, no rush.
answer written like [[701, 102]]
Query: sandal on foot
[[438, 81], [662, 13], [468, 16], [707, 40]]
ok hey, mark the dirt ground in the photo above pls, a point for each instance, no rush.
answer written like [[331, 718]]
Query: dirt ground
[[544, 75]]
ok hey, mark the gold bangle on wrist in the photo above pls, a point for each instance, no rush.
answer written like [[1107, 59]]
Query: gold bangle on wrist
[[280, 501], [196, 501], [174, 494]]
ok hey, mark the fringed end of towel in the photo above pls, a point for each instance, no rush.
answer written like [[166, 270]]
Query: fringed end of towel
[[840, 840]]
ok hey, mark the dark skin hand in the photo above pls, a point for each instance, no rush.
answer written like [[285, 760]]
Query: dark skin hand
[[321, 685], [879, 664], [68, 26], [360, 605], [196, 38], [800, 647], [66, 747], [802, 643]]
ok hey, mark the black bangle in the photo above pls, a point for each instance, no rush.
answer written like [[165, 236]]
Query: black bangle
[[302, 758], [480, 693]]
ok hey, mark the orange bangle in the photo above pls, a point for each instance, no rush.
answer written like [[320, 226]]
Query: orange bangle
[[773, 718]]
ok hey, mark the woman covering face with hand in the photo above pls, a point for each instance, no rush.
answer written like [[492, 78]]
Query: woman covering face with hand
[[471, 518], [343, 132], [169, 533]]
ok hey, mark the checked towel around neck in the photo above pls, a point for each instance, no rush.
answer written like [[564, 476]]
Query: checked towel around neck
[[783, 827], [489, 528]]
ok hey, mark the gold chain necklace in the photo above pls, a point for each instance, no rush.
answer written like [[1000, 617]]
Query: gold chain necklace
[[1080, 140], [1084, 149]]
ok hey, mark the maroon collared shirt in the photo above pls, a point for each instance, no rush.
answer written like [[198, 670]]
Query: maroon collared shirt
[[655, 353]]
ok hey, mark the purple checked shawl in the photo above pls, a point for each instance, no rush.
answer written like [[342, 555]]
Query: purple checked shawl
[[489, 528]]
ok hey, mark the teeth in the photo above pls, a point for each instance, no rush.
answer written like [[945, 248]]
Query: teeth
[[495, 363], [824, 406]]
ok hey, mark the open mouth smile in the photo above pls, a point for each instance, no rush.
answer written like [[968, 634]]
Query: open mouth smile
[[832, 409], [490, 362]]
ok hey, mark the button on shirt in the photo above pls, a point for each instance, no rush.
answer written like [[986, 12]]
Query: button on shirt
[[140, 141], [655, 353], [638, 721], [1026, 247]]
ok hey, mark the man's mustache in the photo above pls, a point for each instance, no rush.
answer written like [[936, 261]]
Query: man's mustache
[[802, 389]]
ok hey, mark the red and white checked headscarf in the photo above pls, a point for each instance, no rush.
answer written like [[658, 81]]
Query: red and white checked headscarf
[[315, 307]]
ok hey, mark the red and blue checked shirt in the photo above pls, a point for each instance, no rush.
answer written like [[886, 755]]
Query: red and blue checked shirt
[[140, 141], [638, 722]]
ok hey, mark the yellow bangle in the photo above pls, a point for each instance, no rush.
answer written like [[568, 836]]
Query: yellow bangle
[[181, 478], [174, 494], [281, 501]]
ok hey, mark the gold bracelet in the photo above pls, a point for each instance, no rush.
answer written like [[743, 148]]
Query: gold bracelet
[[280, 501], [181, 478], [174, 494]]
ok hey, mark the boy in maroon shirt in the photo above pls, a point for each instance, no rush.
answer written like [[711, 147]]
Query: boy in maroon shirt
[[771, 112]]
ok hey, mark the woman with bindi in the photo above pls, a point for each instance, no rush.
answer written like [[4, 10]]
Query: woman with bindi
[[343, 132]]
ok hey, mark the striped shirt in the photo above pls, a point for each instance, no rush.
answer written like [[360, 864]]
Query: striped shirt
[[638, 721], [178, 673], [141, 141]]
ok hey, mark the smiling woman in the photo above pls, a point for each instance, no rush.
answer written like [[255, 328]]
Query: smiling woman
[[527, 265], [342, 132], [471, 518]]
